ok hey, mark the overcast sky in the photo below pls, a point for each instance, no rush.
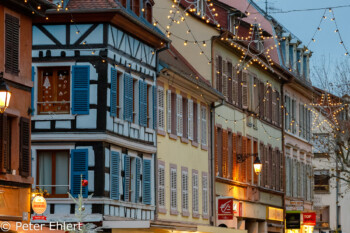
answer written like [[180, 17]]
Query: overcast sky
[[303, 24]]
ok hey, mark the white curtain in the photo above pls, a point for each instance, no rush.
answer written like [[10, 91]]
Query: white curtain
[[45, 170], [62, 164]]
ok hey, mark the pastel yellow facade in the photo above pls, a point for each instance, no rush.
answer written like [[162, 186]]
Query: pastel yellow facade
[[199, 31]]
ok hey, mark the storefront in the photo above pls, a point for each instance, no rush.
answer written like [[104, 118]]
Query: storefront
[[298, 222]]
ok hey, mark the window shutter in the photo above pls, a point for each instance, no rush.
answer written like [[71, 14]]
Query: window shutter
[[128, 97], [11, 44], [261, 99], [179, 115], [154, 106], [169, 111], [229, 82], [249, 162], [255, 151], [199, 121], [143, 103], [185, 117], [287, 177], [146, 179], [244, 164], [274, 108], [278, 111], [268, 171], [262, 159], [138, 179], [32, 95], [195, 192], [79, 166], [113, 99], [81, 90], [195, 122], [24, 149], [224, 153], [219, 73], [205, 194], [127, 174], [224, 80], [216, 152], [204, 125], [173, 189], [160, 108], [240, 85], [234, 155], [244, 90], [279, 175], [184, 189], [5, 143], [273, 170], [234, 86], [190, 119], [250, 94], [115, 174], [161, 185]]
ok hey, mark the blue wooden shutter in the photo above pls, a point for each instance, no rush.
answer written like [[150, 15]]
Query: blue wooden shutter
[[146, 182], [128, 97], [126, 177], [115, 172], [79, 166], [113, 102], [32, 100], [138, 180], [143, 103], [80, 89], [154, 115]]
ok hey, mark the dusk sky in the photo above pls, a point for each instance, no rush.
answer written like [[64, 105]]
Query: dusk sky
[[304, 23]]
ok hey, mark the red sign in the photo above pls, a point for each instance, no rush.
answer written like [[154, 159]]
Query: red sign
[[309, 219], [39, 217], [225, 209]]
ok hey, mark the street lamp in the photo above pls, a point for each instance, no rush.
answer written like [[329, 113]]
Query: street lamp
[[5, 94], [257, 164]]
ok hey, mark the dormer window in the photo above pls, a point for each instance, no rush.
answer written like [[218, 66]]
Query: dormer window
[[135, 6], [233, 24], [147, 14], [259, 44], [201, 7], [123, 2]]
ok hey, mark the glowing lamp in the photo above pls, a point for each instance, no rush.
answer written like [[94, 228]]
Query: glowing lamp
[[5, 94], [257, 165]]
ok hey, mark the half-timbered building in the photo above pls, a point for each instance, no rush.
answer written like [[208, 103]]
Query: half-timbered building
[[94, 110]]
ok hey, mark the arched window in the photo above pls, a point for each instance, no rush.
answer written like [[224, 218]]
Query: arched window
[[135, 7], [148, 11]]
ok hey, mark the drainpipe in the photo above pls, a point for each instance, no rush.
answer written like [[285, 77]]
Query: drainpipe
[[283, 153], [155, 165]]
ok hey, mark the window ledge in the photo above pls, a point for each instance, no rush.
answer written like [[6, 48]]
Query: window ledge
[[204, 147], [162, 210], [161, 132], [184, 140], [195, 215], [205, 216], [149, 130], [185, 213], [195, 144], [173, 136], [174, 212], [134, 126], [53, 117]]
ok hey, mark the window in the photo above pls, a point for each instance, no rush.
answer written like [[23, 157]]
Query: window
[[320, 144], [53, 172], [204, 125], [160, 108], [173, 189], [218, 69], [218, 151], [322, 216], [123, 2], [190, 119], [136, 7], [135, 102], [184, 191], [230, 157], [54, 90], [201, 7], [179, 115], [148, 12], [5, 135], [195, 193], [149, 105], [185, 117], [11, 44], [233, 24], [321, 180], [161, 185], [195, 121], [205, 194]]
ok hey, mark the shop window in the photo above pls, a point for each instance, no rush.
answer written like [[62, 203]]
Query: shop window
[[53, 172], [54, 90], [321, 180], [322, 217]]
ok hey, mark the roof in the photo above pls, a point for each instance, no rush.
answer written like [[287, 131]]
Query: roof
[[92, 4], [172, 60]]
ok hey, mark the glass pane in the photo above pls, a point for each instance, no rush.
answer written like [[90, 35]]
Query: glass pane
[[62, 174], [45, 168]]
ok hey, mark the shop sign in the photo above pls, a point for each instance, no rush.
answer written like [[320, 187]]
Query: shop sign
[[293, 220], [275, 214], [294, 207], [225, 209], [39, 206], [309, 219]]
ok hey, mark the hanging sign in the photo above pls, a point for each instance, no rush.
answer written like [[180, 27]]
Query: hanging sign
[[309, 219], [39, 206], [225, 209]]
